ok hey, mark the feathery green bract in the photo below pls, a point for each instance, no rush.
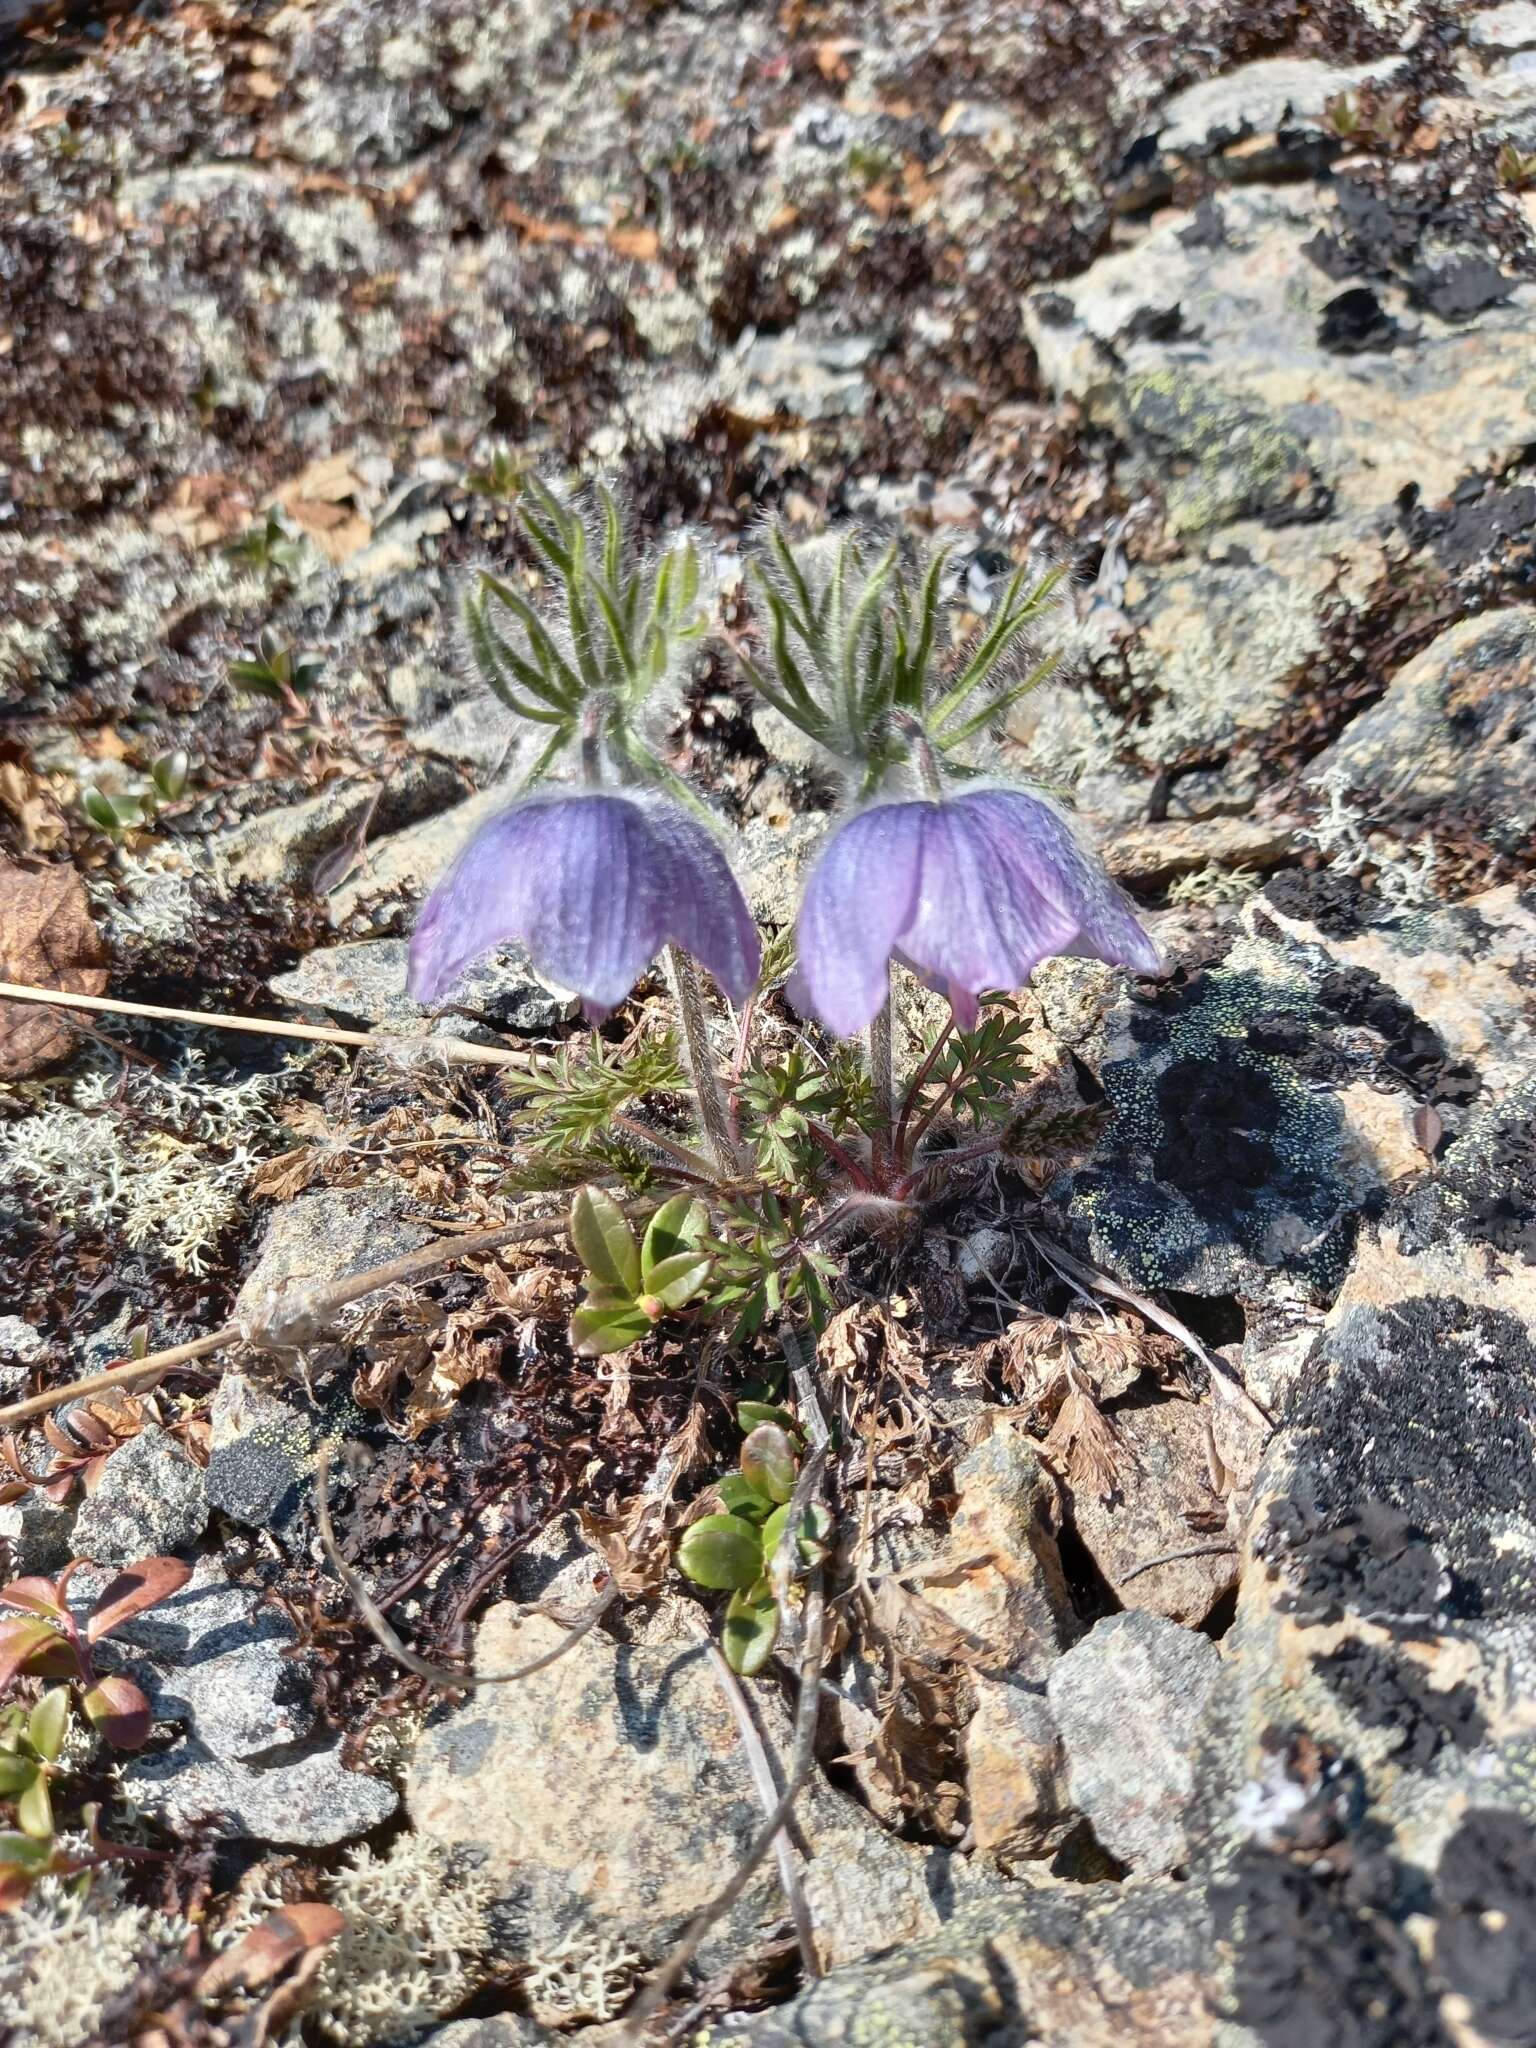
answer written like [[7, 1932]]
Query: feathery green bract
[[854, 634], [613, 627]]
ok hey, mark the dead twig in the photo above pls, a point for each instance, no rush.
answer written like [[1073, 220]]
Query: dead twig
[[296, 1315], [1178, 1557], [766, 1787], [456, 1052], [379, 1627], [657, 1991]]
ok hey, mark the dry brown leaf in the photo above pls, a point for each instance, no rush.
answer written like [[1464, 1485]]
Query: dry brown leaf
[[47, 940], [39, 816], [1087, 1444], [280, 1179], [202, 510]]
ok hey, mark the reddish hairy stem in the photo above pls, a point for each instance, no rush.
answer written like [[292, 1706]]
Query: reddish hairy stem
[[915, 1088]]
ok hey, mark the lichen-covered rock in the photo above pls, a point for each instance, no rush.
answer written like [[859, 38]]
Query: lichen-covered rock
[[317, 1239], [151, 1499], [1098, 1966], [1016, 1774], [365, 978], [639, 1804], [1129, 1700], [1460, 712]]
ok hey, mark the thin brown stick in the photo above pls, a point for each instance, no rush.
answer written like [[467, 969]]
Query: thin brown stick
[[1178, 1557], [457, 1052], [766, 1787], [373, 1617], [658, 1990], [297, 1315]]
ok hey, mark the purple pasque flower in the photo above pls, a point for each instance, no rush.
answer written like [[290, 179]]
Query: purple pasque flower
[[592, 884], [970, 891]]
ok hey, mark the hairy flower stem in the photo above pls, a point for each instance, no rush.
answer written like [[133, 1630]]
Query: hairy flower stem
[[699, 1058], [882, 1074]]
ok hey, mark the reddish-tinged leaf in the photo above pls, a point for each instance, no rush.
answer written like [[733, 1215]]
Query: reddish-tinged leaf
[[268, 1950], [142, 1586], [21, 1640], [36, 1595], [117, 1707]]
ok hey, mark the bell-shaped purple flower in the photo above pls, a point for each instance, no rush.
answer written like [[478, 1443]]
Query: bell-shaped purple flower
[[592, 884], [971, 892]]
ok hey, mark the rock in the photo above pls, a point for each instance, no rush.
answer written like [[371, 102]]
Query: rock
[[1015, 1775], [261, 1456], [211, 1657], [319, 1238], [642, 1802], [1510, 27], [402, 866], [1151, 855], [772, 862], [151, 1499], [1164, 1492], [365, 979], [38, 1534], [285, 845], [20, 1344], [1460, 712], [1129, 1700], [806, 377], [1257, 100], [1006, 1588], [1097, 1966], [1367, 1764], [501, 2030]]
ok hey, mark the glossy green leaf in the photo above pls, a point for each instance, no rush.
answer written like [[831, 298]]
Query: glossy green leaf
[[750, 1628], [598, 1330], [740, 1497], [676, 1227], [677, 1280], [16, 1773], [34, 1810], [722, 1552], [811, 1544], [603, 1240], [49, 1723], [768, 1461], [750, 1413], [23, 1850]]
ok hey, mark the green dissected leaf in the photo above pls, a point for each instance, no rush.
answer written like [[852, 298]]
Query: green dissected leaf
[[676, 1227], [674, 1282], [740, 1497], [597, 1331], [34, 1810], [750, 1628], [722, 1552], [604, 1242], [768, 1461], [48, 1723]]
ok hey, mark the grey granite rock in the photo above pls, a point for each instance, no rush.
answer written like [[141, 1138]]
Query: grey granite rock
[[285, 845], [365, 979], [1129, 1700], [322, 1237], [151, 1499], [261, 1453], [251, 1753]]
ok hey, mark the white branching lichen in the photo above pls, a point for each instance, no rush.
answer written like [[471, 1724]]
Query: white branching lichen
[[65, 1957], [1341, 832], [587, 1976], [160, 1159]]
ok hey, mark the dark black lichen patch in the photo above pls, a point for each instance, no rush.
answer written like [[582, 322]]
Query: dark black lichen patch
[[1483, 535], [1320, 1958], [1384, 1689], [1373, 1562], [1337, 904], [1414, 1053], [1486, 1191], [1485, 1940], [1227, 1149], [1414, 1462], [1356, 323]]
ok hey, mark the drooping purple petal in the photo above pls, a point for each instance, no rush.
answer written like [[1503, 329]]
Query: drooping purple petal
[[859, 896], [1048, 853], [979, 921], [702, 904], [592, 884], [971, 892]]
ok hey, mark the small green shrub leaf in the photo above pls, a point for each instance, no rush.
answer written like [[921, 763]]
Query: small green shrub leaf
[[595, 1331], [768, 1461], [49, 1723], [722, 1552], [677, 1227], [675, 1281], [604, 1242], [750, 1628], [741, 1497]]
